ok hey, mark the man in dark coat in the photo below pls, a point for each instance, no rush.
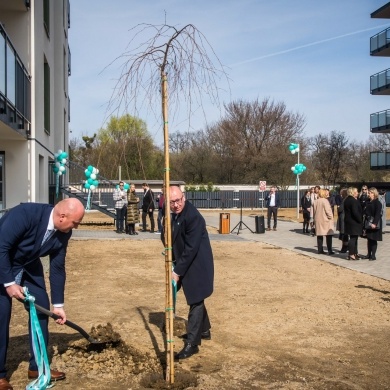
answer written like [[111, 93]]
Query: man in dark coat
[[27, 232], [193, 268], [147, 207]]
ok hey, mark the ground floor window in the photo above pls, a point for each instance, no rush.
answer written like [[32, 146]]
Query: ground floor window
[[2, 176]]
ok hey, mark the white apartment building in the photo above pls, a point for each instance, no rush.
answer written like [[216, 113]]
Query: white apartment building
[[34, 99]]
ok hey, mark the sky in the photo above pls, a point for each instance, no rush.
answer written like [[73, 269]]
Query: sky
[[312, 56]]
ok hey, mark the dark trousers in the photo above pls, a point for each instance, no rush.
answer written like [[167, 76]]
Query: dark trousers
[[372, 246], [320, 243], [144, 214], [159, 219], [272, 210], [352, 245], [42, 299], [120, 218], [198, 322]]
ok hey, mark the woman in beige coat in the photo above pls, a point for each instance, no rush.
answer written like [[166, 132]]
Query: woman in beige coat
[[323, 222]]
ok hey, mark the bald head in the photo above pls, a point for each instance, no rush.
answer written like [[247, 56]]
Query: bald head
[[68, 214]]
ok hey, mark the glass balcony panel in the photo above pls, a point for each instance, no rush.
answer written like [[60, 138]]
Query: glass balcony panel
[[381, 158], [381, 79], [373, 159], [11, 75], [381, 39], [2, 64], [381, 119], [373, 82], [373, 121], [388, 159]]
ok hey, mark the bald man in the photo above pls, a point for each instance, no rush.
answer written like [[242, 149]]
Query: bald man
[[27, 232]]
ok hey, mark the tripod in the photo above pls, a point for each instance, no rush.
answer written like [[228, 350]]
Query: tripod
[[239, 225]]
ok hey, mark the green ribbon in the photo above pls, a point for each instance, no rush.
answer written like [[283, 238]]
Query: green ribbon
[[39, 348]]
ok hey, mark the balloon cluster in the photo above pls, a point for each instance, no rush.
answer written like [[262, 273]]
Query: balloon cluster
[[293, 148], [61, 159], [91, 182], [298, 169]]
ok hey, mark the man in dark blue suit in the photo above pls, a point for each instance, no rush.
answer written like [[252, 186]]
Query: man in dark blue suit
[[193, 268], [27, 232]]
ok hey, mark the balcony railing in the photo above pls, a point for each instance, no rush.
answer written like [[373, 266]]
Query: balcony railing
[[380, 81], [380, 41], [15, 87], [379, 160], [380, 122]]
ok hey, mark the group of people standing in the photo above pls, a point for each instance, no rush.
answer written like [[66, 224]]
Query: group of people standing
[[127, 209], [358, 215]]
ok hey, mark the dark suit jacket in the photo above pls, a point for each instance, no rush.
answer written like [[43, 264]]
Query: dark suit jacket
[[148, 201], [353, 216], [192, 255], [21, 234]]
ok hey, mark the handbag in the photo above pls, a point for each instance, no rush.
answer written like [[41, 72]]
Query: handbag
[[368, 222]]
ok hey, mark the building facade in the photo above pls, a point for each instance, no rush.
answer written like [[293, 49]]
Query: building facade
[[34, 98]]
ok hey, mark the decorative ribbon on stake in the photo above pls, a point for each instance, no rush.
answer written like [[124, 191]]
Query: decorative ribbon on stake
[[91, 183], [59, 167], [39, 348]]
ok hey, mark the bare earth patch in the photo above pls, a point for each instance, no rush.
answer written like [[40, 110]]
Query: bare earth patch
[[280, 320]]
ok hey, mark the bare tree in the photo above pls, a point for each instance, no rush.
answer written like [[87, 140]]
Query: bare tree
[[330, 156]]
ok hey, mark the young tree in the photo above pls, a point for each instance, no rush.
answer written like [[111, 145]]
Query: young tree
[[184, 55]]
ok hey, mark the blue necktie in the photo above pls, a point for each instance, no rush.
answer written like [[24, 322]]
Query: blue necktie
[[47, 236]]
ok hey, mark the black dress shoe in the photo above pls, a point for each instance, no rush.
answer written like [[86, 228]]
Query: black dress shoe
[[187, 351], [365, 257], [330, 253], [372, 258], [204, 335], [321, 252]]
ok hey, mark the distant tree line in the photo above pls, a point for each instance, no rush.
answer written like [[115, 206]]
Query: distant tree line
[[249, 143]]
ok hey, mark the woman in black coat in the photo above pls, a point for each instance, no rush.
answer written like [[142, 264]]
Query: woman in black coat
[[306, 206], [353, 221], [373, 213]]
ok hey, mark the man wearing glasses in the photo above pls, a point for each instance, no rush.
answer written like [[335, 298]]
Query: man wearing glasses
[[193, 268]]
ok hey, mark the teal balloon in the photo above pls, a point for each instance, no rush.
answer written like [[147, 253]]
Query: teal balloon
[[90, 168], [88, 173], [55, 169], [291, 147], [96, 183], [87, 185], [90, 181], [126, 186]]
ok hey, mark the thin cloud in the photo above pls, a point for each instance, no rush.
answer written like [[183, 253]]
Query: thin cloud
[[304, 46]]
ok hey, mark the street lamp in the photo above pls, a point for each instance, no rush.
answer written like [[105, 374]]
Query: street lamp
[[297, 170]]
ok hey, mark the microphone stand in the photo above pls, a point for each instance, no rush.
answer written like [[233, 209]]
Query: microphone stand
[[239, 225]]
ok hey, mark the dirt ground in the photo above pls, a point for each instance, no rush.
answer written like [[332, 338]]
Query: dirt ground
[[280, 320]]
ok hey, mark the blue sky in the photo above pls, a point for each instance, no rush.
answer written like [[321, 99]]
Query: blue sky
[[313, 56]]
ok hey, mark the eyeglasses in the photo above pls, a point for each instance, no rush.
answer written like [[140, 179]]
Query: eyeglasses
[[178, 201], [364, 189]]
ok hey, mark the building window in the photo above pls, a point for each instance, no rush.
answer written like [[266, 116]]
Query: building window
[[46, 97], [2, 176], [46, 16]]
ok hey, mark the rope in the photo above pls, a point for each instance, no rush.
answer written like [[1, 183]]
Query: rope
[[39, 348]]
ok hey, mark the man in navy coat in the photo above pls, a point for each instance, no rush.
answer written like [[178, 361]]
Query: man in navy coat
[[28, 232], [193, 267]]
